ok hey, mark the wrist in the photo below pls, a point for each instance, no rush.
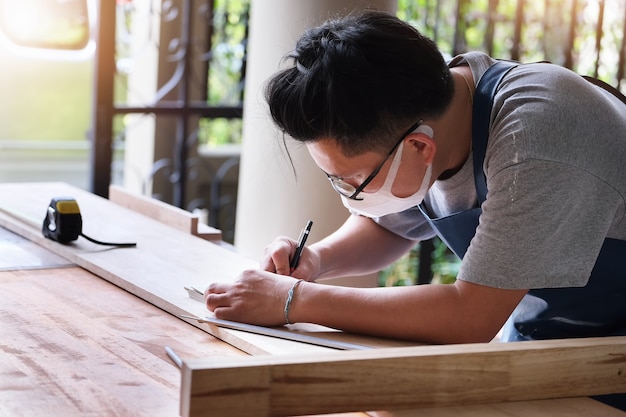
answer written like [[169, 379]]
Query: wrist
[[320, 254]]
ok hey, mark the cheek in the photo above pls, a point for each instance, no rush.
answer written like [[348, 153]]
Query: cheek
[[409, 180]]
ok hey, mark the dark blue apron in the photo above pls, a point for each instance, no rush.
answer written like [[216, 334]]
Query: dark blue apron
[[598, 309]]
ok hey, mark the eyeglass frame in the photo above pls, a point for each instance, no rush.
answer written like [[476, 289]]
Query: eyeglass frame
[[338, 182]]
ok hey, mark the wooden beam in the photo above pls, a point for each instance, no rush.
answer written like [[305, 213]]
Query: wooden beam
[[402, 378], [165, 213], [560, 407]]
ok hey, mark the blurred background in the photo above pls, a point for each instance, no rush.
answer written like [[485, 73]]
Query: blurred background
[[158, 106]]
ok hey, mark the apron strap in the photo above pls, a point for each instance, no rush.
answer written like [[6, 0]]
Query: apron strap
[[481, 117], [607, 87]]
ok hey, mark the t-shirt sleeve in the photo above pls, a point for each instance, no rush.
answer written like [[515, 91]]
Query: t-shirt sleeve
[[542, 226]]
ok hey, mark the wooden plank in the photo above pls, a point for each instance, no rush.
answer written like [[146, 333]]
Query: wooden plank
[[165, 213], [165, 261], [403, 378], [562, 407]]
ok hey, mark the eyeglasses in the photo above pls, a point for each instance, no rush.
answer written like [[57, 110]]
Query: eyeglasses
[[350, 191]]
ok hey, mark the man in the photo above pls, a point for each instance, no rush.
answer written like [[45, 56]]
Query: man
[[390, 123]]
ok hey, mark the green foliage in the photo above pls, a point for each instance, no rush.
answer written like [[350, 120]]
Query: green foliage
[[445, 267], [225, 86], [216, 132], [228, 52], [445, 264], [402, 272]]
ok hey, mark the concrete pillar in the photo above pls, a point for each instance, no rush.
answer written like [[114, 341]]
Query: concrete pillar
[[273, 199]]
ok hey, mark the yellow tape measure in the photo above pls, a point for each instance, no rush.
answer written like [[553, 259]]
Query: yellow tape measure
[[64, 223]]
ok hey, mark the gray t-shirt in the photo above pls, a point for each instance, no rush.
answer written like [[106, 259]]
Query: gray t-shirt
[[556, 179]]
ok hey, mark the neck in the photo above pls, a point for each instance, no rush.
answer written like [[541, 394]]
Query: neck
[[453, 130]]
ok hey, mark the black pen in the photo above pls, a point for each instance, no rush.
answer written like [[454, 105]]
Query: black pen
[[301, 241]]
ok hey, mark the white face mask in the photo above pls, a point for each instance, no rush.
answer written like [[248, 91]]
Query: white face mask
[[383, 202]]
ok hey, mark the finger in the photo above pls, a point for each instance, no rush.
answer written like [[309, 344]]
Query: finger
[[225, 313], [278, 265], [283, 263], [214, 301], [283, 269], [216, 288], [267, 264], [277, 256]]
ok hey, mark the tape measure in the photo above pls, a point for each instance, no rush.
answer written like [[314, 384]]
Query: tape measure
[[63, 223]]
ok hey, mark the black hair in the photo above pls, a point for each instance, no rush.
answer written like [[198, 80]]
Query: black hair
[[360, 80]]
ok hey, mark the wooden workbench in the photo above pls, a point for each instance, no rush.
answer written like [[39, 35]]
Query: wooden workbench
[[73, 343]]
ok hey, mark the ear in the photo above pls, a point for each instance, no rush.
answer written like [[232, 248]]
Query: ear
[[423, 144]]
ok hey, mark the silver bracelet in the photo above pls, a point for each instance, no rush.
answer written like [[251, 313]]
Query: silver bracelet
[[290, 299]]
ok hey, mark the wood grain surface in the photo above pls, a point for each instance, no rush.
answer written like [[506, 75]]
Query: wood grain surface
[[405, 378], [72, 344], [561, 407]]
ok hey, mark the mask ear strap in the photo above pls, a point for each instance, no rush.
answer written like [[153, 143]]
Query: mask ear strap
[[393, 170], [395, 164], [426, 130]]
